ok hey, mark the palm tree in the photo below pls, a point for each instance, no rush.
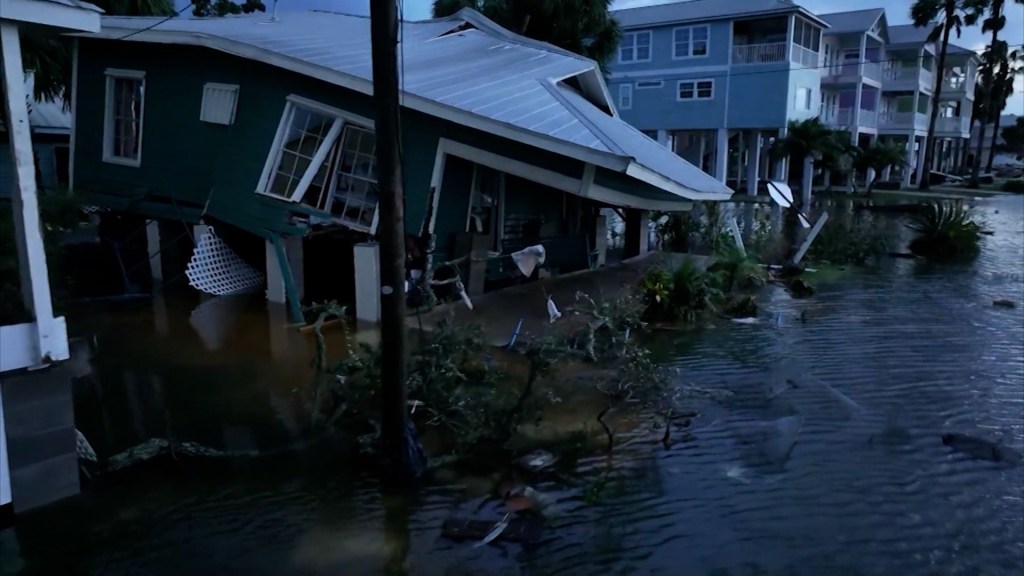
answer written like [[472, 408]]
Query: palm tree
[[805, 144], [945, 17], [584, 27], [993, 20], [1011, 67], [878, 156]]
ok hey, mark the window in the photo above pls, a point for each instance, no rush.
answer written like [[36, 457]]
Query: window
[[325, 158], [122, 126], [803, 98], [484, 204], [690, 42], [649, 84], [696, 89], [635, 47], [219, 101], [625, 96]]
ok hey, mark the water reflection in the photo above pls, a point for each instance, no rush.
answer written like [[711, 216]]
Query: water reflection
[[885, 362]]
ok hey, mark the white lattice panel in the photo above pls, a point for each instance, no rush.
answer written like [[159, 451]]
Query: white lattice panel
[[216, 269]]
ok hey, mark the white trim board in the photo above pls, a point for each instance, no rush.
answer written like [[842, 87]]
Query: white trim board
[[19, 347], [583, 187]]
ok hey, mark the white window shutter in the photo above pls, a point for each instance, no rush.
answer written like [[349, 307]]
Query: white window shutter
[[219, 102]]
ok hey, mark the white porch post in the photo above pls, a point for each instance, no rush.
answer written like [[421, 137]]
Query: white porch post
[[722, 155], [870, 175], [35, 284], [276, 287], [909, 167], [781, 164], [887, 172], [663, 137], [806, 183], [920, 160], [156, 269], [367, 269], [753, 162]]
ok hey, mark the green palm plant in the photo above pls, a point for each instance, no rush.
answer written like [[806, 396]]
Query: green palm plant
[[1010, 68], [878, 156], [805, 139], [945, 17], [584, 27], [945, 232]]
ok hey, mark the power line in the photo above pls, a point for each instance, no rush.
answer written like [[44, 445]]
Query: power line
[[151, 26]]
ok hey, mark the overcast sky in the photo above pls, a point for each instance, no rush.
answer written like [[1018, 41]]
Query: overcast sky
[[898, 12]]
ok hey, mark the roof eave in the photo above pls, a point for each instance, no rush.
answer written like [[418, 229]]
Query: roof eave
[[744, 16], [646, 175]]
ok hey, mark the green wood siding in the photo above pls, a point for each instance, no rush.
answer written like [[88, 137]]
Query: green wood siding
[[195, 163]]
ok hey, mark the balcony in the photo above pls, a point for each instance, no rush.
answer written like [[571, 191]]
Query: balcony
[[906, 78], [955, 83], [842, 118], [951, 124], [850, 72], [903, 121], [805, 56], [759, 53]]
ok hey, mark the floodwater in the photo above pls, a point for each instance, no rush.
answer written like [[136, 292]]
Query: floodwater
[[874, 369]]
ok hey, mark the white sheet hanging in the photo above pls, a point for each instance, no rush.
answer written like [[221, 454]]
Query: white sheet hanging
[[529, 258]]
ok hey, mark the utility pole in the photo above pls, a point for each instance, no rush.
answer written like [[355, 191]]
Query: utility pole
[[391, 234]]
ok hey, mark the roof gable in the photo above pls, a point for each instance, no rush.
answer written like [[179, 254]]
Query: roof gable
[[855, 21]]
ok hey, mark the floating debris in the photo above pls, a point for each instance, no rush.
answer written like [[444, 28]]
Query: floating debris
[[538, 460], [1004, 303]]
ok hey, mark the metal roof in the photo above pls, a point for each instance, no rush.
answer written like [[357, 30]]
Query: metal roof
[[76, 4], [464, 68], [909, 34], [855, 21], [43, 116], [703, 10]]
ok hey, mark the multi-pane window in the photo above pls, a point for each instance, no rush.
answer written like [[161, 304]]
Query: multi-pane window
[[324, 160], [690, 42], [122, 130], [635, 47], [625, 96], [696, 89], [354, 195]]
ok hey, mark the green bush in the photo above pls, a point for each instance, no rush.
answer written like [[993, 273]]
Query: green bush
[[945, 232], [1013, 185], [850, 242], [682, 295]]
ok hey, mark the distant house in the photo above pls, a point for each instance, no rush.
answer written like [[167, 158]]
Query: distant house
[[715, 81], [267, 127], [50, 126]]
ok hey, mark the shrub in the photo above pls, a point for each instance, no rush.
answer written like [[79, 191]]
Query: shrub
[[1013, 185], [734, 270], [682, 295], [945, 232]]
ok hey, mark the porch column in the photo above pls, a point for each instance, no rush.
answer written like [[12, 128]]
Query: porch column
[[277, 284], [636, 233], [921, 169], [753, 161], [781, 164], [702, 150], [909, 166], [722, 155], [663, 137], [156, 270], [870, 175], [50, 342]]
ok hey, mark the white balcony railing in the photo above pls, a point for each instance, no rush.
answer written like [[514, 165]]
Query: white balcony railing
[[903, 120], [759, 53], [839, 118], [951, 124], [872, 70], [805, 56], [954, 83], [868, 118]]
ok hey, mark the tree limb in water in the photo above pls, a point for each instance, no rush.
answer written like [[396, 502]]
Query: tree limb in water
[[607, 430]]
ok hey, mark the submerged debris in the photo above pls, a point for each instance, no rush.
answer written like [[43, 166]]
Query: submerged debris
[[800, 288], [538, 460], [1004, 303]]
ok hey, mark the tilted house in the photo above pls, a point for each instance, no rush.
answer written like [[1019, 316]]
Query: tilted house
[[267, 125]]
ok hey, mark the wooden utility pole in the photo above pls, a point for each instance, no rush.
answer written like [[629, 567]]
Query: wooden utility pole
[[391, 233]]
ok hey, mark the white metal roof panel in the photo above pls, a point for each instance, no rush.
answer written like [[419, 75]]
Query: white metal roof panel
[[909, 34], [482, 70]]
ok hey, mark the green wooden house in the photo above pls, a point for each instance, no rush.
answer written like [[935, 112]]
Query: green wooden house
[[265, 126]]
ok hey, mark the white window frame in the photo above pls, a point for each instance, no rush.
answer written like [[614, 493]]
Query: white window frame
[[322, 154], [798, 105], [696, 91], [625, 90], [649, 84], [633, 37], [112, 75], [689, 32]]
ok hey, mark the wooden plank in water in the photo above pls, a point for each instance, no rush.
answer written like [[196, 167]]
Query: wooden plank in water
[[522, 530]]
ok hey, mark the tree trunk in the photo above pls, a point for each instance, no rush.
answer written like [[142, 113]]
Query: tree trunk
[[995, 137], [391, 233], [924, 180], [992, 93]]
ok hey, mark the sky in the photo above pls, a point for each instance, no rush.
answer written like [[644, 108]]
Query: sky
[[897, 11]]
